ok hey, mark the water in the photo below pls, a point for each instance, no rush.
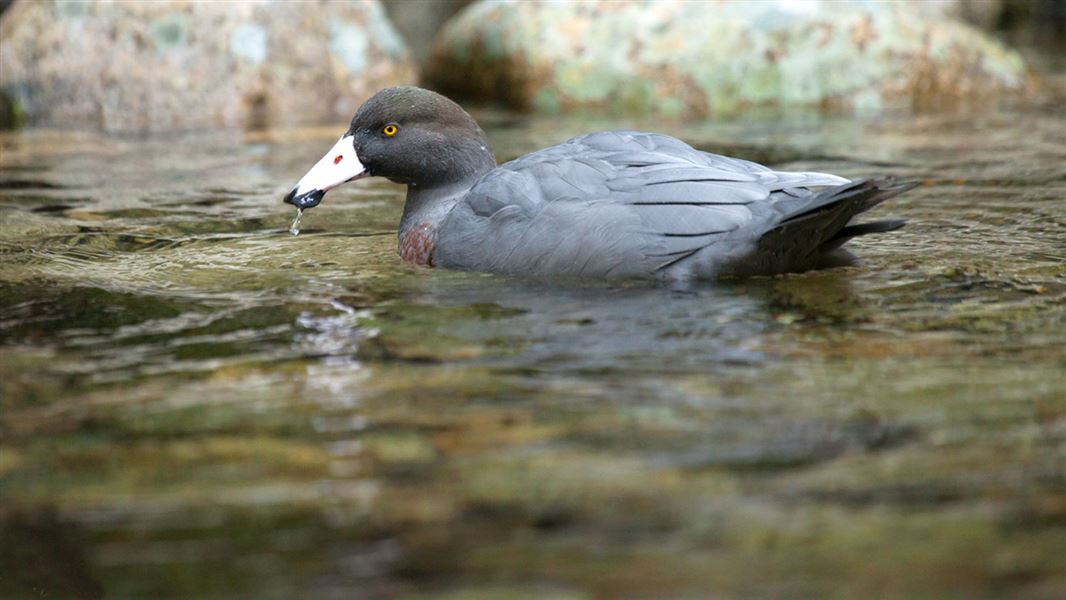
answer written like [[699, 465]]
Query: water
[[294, 229], [197, 403]]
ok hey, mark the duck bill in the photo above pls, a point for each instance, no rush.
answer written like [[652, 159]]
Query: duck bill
[[339, 165]]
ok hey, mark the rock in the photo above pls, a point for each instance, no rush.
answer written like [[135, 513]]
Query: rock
[[177, 64], [985, 14], [419, 22], [697, 59]]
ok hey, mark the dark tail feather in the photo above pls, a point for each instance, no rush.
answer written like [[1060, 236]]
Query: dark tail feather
[[860, 196], [887, 188], [800, 240], [851, 231]]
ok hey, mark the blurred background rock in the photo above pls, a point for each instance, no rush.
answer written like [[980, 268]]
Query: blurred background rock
[[178, 65], [420, 20], [700, 59]]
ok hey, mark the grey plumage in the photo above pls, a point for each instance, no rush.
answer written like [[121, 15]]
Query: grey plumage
[[630, 204]]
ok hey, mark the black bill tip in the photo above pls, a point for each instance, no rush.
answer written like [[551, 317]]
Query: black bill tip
[[305, 200]]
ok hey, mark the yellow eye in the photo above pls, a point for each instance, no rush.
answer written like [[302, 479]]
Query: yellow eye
[[390, 130]]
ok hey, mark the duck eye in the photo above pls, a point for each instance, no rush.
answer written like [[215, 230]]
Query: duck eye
[[390, 130]]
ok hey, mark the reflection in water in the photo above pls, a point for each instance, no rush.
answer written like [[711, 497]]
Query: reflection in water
[[334, 337], [212, 406], [598, 327]]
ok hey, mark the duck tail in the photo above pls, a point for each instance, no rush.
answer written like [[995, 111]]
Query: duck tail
[[807, 237], [851, 231]]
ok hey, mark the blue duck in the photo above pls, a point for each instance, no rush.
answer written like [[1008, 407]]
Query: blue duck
[[615, 204]]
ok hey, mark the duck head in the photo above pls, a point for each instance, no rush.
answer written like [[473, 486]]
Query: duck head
[[408, 135]]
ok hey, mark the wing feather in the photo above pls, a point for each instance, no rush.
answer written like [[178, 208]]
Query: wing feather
[[615, 203]]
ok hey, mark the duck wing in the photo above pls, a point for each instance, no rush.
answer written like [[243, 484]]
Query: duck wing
[[620, 203]]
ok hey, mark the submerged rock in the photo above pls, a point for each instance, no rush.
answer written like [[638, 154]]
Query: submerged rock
[[178, 64], [718, 58]]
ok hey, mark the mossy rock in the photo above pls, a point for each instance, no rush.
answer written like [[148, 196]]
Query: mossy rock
[[699, 59]]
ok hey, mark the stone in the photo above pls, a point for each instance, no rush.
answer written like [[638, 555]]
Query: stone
[[420, 20], [699, 59], [173, 65]]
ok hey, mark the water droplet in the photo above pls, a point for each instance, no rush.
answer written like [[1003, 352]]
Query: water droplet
[[295, 227]]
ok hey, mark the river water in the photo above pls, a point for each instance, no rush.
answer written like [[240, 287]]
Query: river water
[[198, 404]]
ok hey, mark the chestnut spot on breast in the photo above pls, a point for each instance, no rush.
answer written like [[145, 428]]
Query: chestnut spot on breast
[[416, 244]]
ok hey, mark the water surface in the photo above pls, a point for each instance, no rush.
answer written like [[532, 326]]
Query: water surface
[[198, 404]]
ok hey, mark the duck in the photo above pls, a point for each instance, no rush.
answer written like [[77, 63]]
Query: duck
[[610, 204]]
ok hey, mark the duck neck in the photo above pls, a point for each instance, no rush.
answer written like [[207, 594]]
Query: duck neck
[[424, 211]]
